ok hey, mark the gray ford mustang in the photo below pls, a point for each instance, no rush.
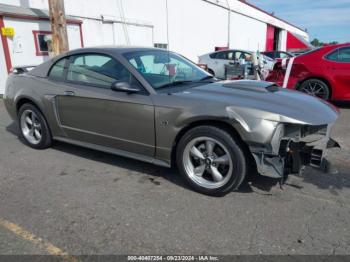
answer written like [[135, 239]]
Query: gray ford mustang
[[157, 106]]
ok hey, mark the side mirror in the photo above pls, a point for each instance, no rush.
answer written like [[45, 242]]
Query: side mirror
[[124, 87]]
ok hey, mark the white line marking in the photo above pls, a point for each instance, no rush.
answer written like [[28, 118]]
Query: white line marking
[[42, 244]]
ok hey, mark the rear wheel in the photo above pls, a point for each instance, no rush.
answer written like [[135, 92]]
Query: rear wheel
[[211, 161], [316, 87], [33, 127]]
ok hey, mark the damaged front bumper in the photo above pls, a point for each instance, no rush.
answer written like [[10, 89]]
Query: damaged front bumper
[[292, 148]]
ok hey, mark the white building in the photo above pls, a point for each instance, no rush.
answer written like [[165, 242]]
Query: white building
[[189, 27]]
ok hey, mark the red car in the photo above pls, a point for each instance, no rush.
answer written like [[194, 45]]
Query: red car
[[323, 72]]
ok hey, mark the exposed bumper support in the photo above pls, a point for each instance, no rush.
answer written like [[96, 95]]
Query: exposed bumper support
[[294, 156]]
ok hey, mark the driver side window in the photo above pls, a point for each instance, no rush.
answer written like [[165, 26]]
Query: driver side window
[[98, 70]]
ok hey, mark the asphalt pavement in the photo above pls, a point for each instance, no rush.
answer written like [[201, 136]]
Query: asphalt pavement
[[82, 201]]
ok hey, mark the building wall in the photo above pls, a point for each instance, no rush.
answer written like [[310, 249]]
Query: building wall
[[3, 69], [247, 10], [40, 4], [191, 31], [195, 27], [151, 12], [22, 45], [251, 36], [204, 22], [111, 30], [22, 49], [73, 32]]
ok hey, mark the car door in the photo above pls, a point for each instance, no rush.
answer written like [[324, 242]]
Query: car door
[[338, 66], [91, 112], [343, 70]]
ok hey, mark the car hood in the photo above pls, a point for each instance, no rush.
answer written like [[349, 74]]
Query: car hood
[[259, 99]]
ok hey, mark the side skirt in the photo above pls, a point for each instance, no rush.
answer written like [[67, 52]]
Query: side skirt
[[114, 151]]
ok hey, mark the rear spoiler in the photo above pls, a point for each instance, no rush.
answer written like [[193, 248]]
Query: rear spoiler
[[21, 69]]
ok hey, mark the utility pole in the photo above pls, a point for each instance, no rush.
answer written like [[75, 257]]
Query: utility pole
[[229, 24], [59, 42]]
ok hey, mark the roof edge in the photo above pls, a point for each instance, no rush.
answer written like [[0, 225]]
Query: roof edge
[[36, 14], [261, 10]]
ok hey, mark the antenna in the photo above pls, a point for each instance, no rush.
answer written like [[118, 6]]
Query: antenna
[[167, 34], [125, 27], [167, 22], [228, 24]]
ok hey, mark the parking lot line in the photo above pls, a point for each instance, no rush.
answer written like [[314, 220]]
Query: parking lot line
[[37, 241]]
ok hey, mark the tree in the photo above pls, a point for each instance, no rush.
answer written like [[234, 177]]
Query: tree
[[315, 42], [318, 43]]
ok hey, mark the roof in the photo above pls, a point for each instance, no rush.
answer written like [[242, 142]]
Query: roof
[[340, 45], [113, 49], [28, 13], [261, 10], [296, 42]]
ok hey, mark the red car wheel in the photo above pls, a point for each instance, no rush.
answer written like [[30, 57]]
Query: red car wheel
[[316, 87]]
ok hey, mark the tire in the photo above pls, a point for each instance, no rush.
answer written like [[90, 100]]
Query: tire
[[316, 87], [205, 150], [35, 135]]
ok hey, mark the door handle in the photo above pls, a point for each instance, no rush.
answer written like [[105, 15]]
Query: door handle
[[69, 93]]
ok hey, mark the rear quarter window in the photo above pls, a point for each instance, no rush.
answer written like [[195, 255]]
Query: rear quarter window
[[219, 55], [57, 70], [334, 56], [269, 54]]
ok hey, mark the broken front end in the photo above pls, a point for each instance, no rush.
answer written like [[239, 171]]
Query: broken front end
[[293, 147]]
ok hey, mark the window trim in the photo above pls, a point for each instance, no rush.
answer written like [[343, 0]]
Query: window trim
[[65, 69], [69, 58], [70, 61], [146, 84], [325, 57], [36, 42], [220, 52]]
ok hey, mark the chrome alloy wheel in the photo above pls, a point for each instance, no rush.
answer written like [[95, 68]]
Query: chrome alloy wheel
[[31, 127], [316, 89], [207, 162]]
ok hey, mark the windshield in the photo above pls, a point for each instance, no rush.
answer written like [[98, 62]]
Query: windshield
[[164, 69]]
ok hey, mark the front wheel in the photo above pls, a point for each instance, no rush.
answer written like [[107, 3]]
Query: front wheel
[[316, 87], [211, 160]]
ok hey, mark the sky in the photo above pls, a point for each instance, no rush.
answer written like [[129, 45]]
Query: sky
[[326, 20]]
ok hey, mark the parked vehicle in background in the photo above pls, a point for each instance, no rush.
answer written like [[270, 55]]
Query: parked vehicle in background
[[323, 72], [278, 54], [157, 106], [216, 61]]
